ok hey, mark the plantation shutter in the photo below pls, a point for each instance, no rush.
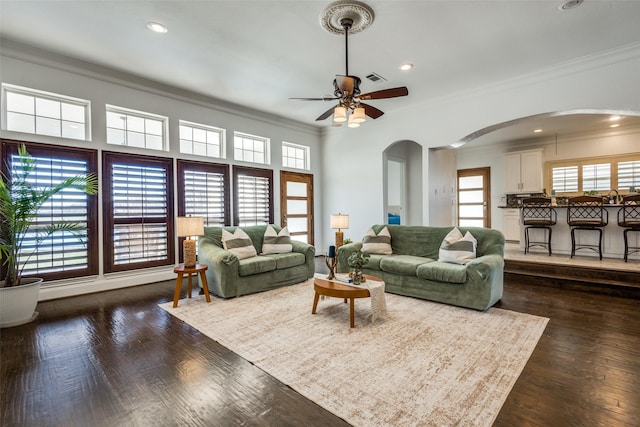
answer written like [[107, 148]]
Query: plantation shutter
[[596, 177], [565, 179], [628, 174], [138, 224], [62, 255], [253, 196], [204, 195]]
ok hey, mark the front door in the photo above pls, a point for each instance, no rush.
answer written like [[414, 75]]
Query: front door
[[474, 192], [296, 205]]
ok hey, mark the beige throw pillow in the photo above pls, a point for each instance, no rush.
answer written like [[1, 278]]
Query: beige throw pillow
[[456, 248], [380, 243], [276, 243], [239, 243]]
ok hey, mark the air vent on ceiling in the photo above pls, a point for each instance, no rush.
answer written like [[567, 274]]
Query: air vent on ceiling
[[376, 78]]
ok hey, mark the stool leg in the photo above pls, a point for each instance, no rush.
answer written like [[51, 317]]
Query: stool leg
[[526, 240], [600, 243], [573, 242], [176, 295], [205, 286], [626, 244], [549, 244]]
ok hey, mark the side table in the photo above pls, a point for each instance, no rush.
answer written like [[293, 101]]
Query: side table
[[181, 270]]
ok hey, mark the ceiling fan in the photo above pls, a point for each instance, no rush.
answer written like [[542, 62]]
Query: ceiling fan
[[347, 92]]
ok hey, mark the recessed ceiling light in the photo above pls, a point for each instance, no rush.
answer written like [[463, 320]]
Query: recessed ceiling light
[[157, 27], [457, 144], [614, 125], [406, 67], [614, 118], [537, 130], [570, 4]]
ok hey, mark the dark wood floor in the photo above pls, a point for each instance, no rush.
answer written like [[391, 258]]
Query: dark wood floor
[[116, 359]]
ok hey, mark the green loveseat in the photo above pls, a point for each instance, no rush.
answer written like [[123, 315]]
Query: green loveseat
[[414, 270], [229, 276]]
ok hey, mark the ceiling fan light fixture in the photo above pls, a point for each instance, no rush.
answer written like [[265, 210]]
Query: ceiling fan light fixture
[[352, 122], [358, 115], [339, 114]]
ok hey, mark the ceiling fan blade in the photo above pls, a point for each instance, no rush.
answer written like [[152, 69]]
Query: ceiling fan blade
[[316, 99], [386, 93], [370, 111], [326, 114]]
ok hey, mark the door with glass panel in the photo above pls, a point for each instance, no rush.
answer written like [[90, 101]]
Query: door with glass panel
[[296, 205], [473, 198]]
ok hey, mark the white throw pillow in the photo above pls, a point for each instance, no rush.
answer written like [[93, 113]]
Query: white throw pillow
[[377, 244], [239, 243], [276, 243], [456, 248]]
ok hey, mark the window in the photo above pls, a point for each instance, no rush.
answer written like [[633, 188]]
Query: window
[[61, 255], [596, 177], [250, 148], [598, 174], [628, 174], [138, 211], [295, 156], [253, 196], [43, 113], [136, 129], [202, 140], [565, 179], [204, 191]]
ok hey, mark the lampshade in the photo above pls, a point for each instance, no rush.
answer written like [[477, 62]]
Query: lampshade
[[352, 123], [190, 226], [339, 114], [340, 221], [358, 115]]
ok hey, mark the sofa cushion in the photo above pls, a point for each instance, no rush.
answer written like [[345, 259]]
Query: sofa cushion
[[276, 243], [442, 272], [456, 248], [256, 265], [404, 265], [374, 262], [380, 243], [287, 260], [239, 243]]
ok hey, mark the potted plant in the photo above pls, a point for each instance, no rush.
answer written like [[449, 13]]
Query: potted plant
[[20, 200], [356, 261]]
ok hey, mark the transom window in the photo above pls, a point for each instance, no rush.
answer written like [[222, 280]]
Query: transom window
[[599, 175], [44, 113], [202, 140], [251, 148], [136, 129], [295, 156]]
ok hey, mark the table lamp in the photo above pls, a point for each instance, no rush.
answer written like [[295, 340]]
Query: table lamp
[[189, 226], [339, 221]]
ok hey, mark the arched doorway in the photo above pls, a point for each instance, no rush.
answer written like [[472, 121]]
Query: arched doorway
[[403, 183]]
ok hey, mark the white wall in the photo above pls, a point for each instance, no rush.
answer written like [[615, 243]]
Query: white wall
[[37, 70], [604, 82]]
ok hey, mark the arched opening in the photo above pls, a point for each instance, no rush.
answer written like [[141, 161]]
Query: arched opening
[[403, 182]]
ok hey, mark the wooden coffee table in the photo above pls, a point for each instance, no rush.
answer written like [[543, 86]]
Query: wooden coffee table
[[340, 290]]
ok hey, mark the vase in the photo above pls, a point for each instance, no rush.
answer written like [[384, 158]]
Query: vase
[[357, 276], [18, 303]]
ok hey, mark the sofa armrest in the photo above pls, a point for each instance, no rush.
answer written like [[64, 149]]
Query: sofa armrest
[[343, 255], [486, 267], [222, 275], [309, 253]]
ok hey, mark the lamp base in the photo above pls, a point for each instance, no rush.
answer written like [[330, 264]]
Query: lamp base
[[339, 239], [189, 251]]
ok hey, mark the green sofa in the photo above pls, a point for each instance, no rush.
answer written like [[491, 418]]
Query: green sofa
[[414, 270], [229, 276]]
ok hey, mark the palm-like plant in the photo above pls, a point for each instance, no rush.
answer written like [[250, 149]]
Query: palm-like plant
[[20, 201]]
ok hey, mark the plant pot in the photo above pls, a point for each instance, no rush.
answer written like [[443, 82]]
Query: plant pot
[[18, 303]]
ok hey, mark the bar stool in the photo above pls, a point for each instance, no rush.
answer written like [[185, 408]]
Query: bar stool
[[629, 218], [586, 213], [538, 213]]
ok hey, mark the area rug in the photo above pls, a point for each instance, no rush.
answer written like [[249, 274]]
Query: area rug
[[421, 364]]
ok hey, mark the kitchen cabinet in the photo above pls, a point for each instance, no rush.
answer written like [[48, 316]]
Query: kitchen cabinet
[[511, 224], [523, 172]]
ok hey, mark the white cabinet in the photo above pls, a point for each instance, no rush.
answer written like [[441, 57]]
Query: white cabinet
[[511, 224], [523, 172]]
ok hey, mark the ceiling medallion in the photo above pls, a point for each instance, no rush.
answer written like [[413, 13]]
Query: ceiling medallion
[[332, 15]]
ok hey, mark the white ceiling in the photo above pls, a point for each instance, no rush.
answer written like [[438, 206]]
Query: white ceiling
[[260, 53]]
